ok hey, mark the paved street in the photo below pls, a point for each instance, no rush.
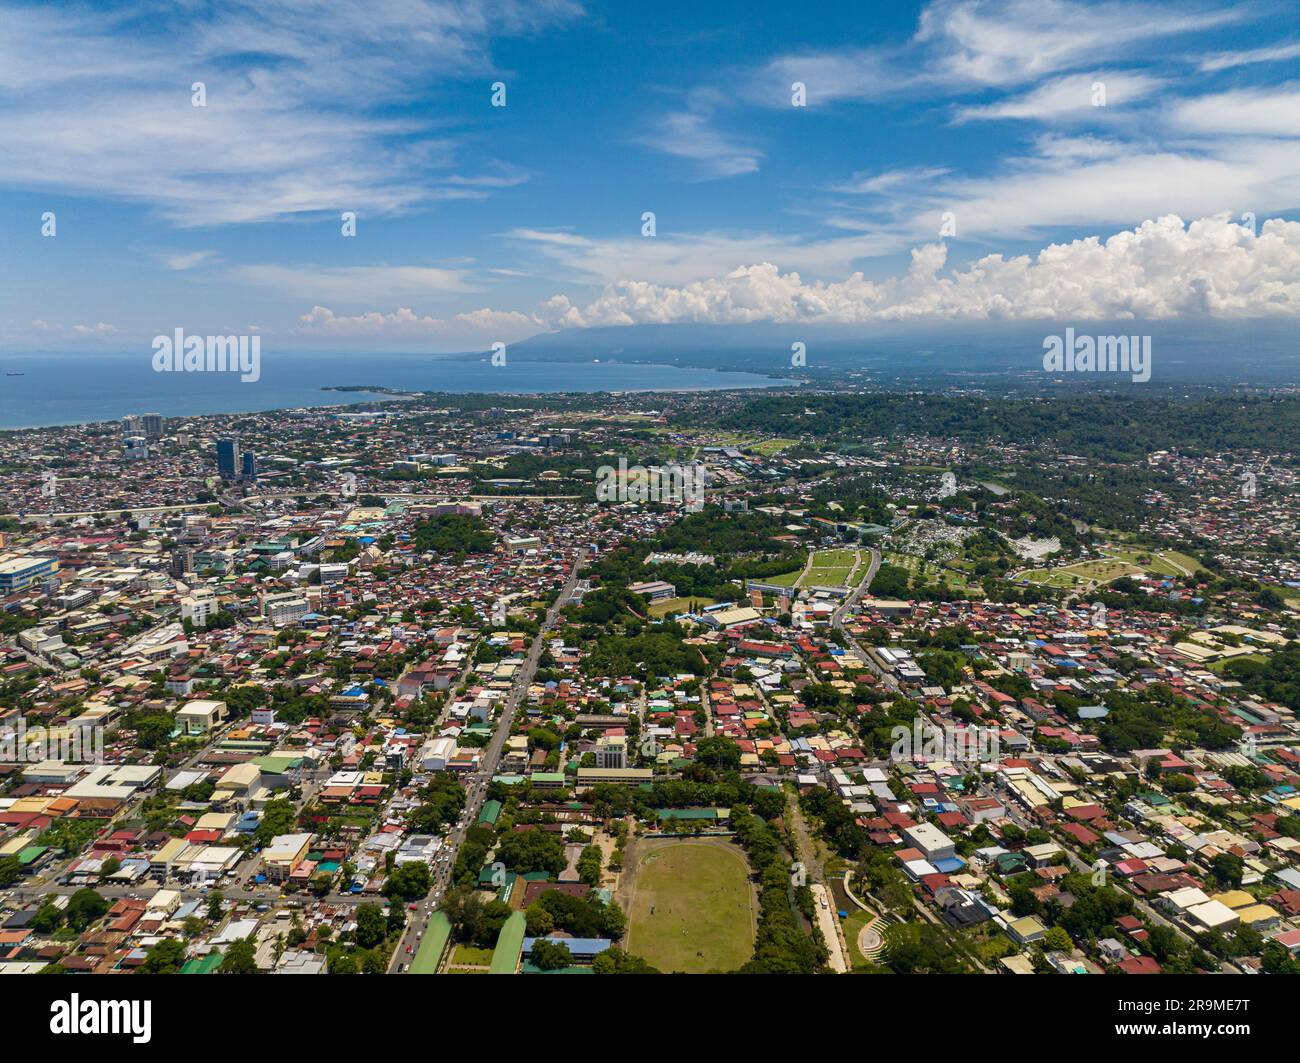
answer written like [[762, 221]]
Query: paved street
[[476, 784]]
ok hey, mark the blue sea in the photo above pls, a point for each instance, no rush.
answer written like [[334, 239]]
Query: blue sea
[[66, 388]]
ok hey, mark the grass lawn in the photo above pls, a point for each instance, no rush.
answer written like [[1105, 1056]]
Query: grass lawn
[[852, 928], [768, 447], [1120, 561], [935, 572], [678, 605], [1083, 573], [765, 447], [785, 579], [471, 956], [692, 908], [830, 568], [1218, 666], [1179, 559]]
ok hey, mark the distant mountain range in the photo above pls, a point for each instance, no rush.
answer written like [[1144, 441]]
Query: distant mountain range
[[1213, 353]]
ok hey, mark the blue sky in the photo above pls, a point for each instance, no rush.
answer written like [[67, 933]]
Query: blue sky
[[1095, 160]]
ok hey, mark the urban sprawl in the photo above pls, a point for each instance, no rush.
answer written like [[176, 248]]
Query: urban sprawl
[[429, 685]]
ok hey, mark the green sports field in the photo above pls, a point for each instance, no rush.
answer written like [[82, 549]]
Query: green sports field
[[692, 908], [830, 568], [1123, 561]]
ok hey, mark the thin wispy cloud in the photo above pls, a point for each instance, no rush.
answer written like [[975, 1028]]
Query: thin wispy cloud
[[352, 284], [183, 260], [1076, 96], [301, 104], [1229, 60], [692, 135], [1009, 42]]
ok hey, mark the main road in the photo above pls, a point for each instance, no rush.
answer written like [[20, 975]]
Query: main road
[[476, 785], [837, 622]]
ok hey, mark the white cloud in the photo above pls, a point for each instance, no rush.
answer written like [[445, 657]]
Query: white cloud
[[1072, 96], [830, 76], [672, 258], [182, 260], [98, 330], [962, 45], [1269, 112], [1228, 60], [1059, 47], [1160, 269], [354, 284], [1071, 182], [100, 103], [1012, 41], [473, 327], [891, 181], [691, 135]]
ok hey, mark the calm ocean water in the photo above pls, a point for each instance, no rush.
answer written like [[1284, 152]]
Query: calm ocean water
[[80, 388]]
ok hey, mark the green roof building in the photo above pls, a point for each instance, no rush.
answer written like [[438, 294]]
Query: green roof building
[[202, 964], [433, 944], [510, 943]]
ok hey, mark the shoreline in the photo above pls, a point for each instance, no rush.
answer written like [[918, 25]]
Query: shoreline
[[379, 399], [352, 395]]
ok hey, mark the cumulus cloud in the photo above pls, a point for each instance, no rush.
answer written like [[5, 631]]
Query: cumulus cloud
[[474, 326], [1164, 268], [1160, 269]]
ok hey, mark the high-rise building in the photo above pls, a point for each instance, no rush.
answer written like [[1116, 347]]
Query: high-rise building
[[153, 425], [248, 467], [228, 465], [182, 561], [132, 425]]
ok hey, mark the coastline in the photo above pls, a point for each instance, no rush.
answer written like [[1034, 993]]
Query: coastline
[[64, 389]]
